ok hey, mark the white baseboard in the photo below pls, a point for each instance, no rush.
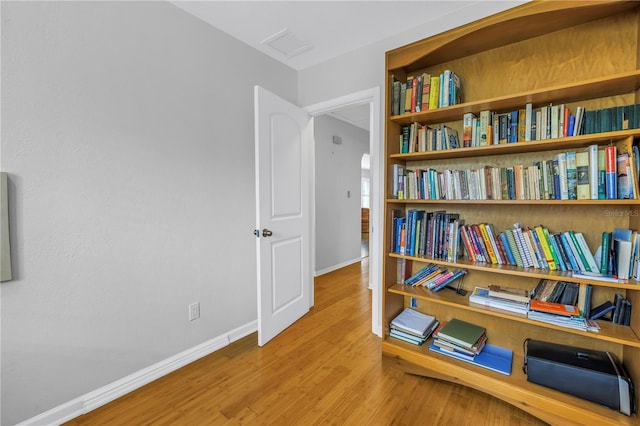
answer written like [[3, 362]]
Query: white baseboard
[[338, 266], [92, 400]]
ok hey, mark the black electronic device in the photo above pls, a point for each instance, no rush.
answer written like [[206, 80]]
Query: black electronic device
[[593, 375]]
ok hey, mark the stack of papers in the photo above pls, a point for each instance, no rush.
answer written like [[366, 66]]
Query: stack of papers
[[482, 296], [576, 323]]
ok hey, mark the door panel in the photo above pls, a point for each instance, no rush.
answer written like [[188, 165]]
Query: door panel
[[283, 157]]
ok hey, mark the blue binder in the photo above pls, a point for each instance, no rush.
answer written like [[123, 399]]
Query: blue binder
[[491, 357]]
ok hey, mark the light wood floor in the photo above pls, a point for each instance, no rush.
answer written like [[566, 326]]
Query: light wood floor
[[325, 369]]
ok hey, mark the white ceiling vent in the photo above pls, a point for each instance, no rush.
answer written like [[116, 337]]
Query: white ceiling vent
[[286, 43]]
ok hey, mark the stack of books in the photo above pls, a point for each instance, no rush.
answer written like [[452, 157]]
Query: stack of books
[[412, 326], [459, 337], [468, 342], [505, 298], [556, 302], [434, 277]]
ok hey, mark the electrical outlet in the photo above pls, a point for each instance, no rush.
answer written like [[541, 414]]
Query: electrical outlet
[[194, 311]]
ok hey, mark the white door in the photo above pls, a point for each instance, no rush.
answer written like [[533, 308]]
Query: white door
[[283, 141]]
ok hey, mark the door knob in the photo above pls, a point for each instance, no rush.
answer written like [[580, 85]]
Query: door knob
[[266, 233]]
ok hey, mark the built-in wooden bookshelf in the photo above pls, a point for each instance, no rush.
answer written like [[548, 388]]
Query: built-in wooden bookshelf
[[579, 53]]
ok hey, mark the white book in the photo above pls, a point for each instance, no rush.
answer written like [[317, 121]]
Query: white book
[[577, 125], [483, 185], [623, 257], [586, 251], [481, 296], [542, 124], [485, 118], [593, 171], [562, 171], [555, 121], [527, 121], [525, 254]]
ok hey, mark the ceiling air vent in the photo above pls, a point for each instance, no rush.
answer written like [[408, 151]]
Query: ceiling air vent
[[286, 43]]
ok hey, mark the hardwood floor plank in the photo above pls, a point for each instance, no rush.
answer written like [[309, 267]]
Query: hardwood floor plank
[[326, 369]]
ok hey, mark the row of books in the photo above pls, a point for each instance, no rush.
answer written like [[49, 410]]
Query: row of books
[[417, 137], [525, 124], [443, 235], [425, 92], [420, 233], [547, 122], [555, 291], [594, 173], [620, 254], [528, 247]]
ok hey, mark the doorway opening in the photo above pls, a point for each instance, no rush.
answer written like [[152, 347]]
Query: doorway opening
[[365, 204], [370, 97]]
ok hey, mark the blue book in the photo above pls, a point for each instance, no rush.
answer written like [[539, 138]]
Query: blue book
[[587, 302], [567, 249], [404, 337], [399, 226], [507, 249], [421, 274], [490, 357], [411, 236], [601, 310], [513, 127], [561, 265], [572, 121]]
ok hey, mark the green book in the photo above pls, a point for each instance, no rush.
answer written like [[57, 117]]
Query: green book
[[552, 249], [604, 252], [461, 333], [585, 263]]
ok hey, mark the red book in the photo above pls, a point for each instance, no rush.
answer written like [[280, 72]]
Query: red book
[[467, 244], [414, 95]]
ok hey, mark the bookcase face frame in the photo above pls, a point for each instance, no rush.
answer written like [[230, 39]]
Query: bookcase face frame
[[583, 62]]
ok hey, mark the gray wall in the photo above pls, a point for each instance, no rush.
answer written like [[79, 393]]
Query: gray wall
[[337, 171], [127, 133]]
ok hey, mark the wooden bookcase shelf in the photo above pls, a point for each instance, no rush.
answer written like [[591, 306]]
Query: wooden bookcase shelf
[[628, 82], [579, 53], [525, 202], [608, 332], [537, 273]]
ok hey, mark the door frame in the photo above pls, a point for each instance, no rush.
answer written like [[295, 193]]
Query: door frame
[[372, 97]]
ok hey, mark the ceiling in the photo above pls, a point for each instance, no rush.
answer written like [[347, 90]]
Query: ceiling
[[301, 34]]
